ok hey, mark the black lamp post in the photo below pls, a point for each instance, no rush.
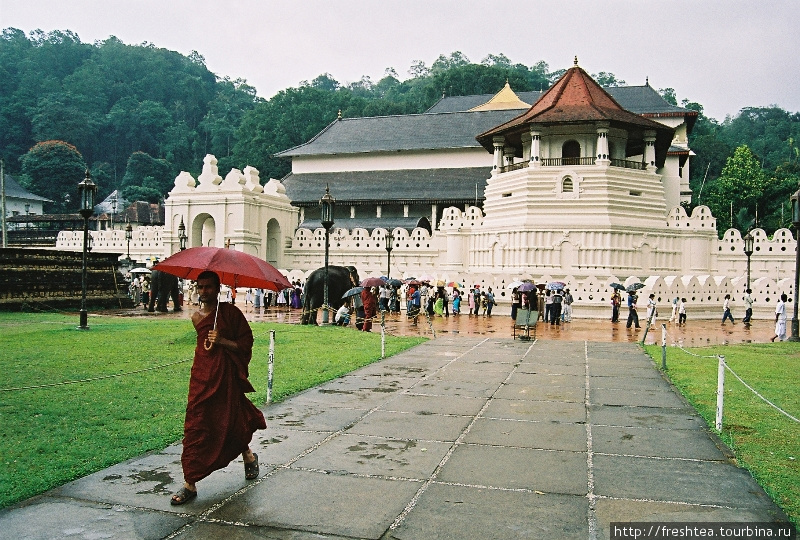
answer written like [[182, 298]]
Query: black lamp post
[[182, 234], [796, 222], [748, 250], [389, 247], [129, 237], [327, 203], [86, 191], [113, 210]]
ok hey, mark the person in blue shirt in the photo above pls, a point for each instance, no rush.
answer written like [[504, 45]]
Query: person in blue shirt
[[633, 317]]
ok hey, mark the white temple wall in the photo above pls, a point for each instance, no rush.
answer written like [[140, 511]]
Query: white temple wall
[[456, 158]]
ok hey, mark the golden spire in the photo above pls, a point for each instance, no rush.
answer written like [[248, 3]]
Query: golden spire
[[576, 60]]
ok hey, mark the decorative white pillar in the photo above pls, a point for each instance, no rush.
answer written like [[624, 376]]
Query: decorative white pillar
[[498, 143], [405, 210], [603, 156], [302, 215], [508, 154], [378, 211], [433, 217], [536, 152], [650, 149], [526, 147], [352, 212]]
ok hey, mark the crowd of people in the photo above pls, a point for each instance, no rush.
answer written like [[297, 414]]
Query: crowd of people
[[554, 306]]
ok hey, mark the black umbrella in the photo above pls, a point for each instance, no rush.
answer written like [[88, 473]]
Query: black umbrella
[[617, 286], [352, 292], [395, 282]]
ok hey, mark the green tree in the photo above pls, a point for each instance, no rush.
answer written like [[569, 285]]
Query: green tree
[[55, 168], [146, 178], [740, 187]]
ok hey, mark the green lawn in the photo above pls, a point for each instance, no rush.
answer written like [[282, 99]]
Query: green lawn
[[764, 441], [54, 434]]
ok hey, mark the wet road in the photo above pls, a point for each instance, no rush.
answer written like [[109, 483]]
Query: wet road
[[696, 333]]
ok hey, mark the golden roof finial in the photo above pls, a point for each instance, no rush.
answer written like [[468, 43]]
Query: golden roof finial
[[576, 60], [339, 116]]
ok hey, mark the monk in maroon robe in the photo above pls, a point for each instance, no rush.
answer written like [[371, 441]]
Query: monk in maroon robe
[[370, 308], [220, 420]]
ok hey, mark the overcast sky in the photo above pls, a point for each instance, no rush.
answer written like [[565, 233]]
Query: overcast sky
[[724, 54]]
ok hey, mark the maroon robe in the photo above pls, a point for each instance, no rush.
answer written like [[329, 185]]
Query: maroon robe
[[370, 308], [220, 420]]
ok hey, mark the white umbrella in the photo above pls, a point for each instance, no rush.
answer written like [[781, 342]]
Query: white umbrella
[[513, 285], [140, 271]]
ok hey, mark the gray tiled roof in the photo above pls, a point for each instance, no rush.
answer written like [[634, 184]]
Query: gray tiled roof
[[637, 99], [406, 186], [389, 223], [13, 189], [402, 132]]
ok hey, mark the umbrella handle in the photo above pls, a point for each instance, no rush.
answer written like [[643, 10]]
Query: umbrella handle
[[207, 345]]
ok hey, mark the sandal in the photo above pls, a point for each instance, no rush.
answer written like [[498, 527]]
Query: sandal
[[182, 496], [251, 469]]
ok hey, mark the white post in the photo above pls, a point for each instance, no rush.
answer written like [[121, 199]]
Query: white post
[[271, 364], [720, 391], [663, 346], [383, 334]]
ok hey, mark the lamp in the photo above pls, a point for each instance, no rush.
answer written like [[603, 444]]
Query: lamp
[[113, 209], [182, 235], [748, 250], [795, 200], [327, 203], [389, 239], [86, 192], [129, 237]]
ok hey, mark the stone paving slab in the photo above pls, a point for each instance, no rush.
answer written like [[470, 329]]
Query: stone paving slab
[[542, 411], [276, 446], [458, 513], [476, 389], [548, 379], [552, 369], [411, 426], [427, 405], [636, 441], [548, 471], [660, 396], [614, 510], [654, 417], [322, 503], [542, 393], [358, 454], [309, 411], [542, 435], [693, 482], [46, 518]]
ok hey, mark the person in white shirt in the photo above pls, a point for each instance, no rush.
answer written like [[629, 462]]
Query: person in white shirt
[[748, 305], [780, 319], [652, 312], [726, 310], [682, 312]]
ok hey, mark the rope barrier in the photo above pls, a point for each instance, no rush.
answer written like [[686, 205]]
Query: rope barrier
[[760, 396], [92, 379], [741, 381]]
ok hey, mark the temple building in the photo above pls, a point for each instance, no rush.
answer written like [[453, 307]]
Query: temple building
[[578, 183]]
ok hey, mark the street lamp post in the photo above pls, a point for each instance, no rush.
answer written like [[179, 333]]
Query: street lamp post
[[129, 237], [795, 199], [389, 247], [113, 210], [748, 250], [327, 203], [182, 235], [86, 191]]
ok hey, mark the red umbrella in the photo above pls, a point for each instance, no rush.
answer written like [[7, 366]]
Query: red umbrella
[[234, 268], [372, 282]]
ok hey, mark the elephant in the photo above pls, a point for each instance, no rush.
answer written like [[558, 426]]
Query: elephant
[[162, 286], [340, 280]]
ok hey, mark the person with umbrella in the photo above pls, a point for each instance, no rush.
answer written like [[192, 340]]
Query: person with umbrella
[[220, 420], [616, 301], [633, 317], [370, 304]]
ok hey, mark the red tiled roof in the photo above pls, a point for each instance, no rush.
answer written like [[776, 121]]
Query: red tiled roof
[[576, 98]]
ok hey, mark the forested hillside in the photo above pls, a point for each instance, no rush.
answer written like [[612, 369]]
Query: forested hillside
[[137, 115]]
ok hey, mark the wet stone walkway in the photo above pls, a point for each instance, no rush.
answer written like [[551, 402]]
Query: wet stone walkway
[[460, 437]]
